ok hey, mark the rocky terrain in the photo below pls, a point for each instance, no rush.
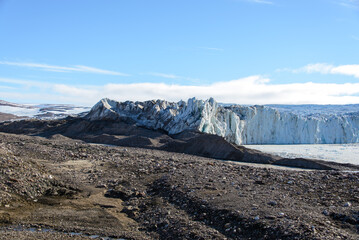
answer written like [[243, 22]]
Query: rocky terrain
[[127, 133], [80, 179], [60, 188]]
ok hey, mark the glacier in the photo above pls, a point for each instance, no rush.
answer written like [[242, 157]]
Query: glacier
[[238, 124]]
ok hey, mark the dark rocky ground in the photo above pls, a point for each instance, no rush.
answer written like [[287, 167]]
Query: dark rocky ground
[[127, 133], [62, 188]]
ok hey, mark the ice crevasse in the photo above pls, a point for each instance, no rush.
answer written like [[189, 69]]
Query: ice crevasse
[[236, 123]]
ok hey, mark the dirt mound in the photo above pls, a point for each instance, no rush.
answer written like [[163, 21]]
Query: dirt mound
[[216, 147]]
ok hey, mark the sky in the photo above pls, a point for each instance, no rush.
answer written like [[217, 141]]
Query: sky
[[237, 51]]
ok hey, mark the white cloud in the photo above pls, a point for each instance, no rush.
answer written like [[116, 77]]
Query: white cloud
[[212, 48], [26, 83], [250, 90], [352, 70], [354, 4], [261, 1], [6, 87], [164, 75], [324, 68], [172, 76], [54, 68]]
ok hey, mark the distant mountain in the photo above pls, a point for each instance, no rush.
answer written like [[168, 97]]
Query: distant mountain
[[10, 104], [11, 111]]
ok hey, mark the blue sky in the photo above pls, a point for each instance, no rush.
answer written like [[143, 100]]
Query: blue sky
[[238, 51]]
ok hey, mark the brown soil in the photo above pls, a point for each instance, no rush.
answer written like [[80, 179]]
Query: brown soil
[[61, 188]]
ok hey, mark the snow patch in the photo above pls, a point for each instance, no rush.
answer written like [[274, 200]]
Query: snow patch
[[43, 111], [341, 153]]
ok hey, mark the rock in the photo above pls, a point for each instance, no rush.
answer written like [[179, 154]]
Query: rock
[[326, 213], [140, 194], [260, 182], [130, 211], [272, 203], [5, 218], [119, 192]]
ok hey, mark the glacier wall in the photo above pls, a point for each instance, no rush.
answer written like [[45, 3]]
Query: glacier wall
[[237, 124]]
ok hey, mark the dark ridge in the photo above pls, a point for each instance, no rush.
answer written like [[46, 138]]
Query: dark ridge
[[126, 133]]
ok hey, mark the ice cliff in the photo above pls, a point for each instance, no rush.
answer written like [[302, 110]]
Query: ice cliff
[[237, 124]]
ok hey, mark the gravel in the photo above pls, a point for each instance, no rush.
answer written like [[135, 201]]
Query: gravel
[[69, 186]]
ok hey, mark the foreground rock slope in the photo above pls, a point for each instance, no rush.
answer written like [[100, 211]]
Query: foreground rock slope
[[61, 188]]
